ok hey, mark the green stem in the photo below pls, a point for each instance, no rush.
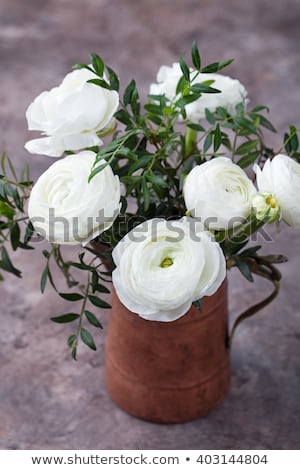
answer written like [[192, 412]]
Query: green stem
[[234, 147], [63, 266], [75, 344], [240, 235], [190, 141]]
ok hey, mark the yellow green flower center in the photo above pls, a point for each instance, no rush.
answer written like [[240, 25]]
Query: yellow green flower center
[[166, 263], [271, 201]]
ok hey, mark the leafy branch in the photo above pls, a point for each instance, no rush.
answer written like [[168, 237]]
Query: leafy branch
[[14, 192], [88, 292]]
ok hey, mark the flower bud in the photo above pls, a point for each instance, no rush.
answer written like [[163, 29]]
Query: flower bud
[[266, 207], [281, 176]]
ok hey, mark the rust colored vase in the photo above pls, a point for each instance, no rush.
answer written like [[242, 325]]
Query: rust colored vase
[[169, 372]]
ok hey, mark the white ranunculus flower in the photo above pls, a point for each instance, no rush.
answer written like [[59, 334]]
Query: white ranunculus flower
[[70, 115], [65, 208], [281, 177], [232, 91], [163, 266], [219, 193]]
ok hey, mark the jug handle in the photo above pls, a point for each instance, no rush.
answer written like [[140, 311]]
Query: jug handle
[[263, 268]]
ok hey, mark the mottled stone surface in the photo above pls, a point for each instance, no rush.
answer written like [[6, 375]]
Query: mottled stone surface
[[47, 401]]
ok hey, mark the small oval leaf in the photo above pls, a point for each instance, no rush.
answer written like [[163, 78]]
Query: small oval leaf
[[87, 339], [98, 302], [66, 318], [93, 319], [71, 297]]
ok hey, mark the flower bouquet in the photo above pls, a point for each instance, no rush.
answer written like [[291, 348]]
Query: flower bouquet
[[162, 199]]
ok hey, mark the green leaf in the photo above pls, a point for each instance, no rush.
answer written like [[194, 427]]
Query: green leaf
[[266, 123], [10, 165], [240, 108], [201, 88], [182, 85], [74, 353], [157, 180], [244, 123], [246, 147], [196, 59], [102, 289], [153, 108], [17, 200], [250, 251], [196, 127], [142, 162], [263, 121], [294, 138], [225, 63], [82, 66], [98, 302], [28, 232], [146, 193], [113, 79], [156, 119], [226, 142], [182, 102], [66, 318], [23, 246], [184, 68], [92, 319], [71, 340], [244, 269], [87, 338], [44, 277], [209, 116], [210, 68], [97, 170], [131, 180], [259, 108], [71, 297], [98, 64], [94, 282], [207, 142], [135, 104], [128, 93], [100, 82], [217, 138], [123, 117], [216, 66], [248, 160], [287, 143], [8, 190], [15, 236], [110, 147], [7, 265], [160, 98], [222, 112], [6, 210]]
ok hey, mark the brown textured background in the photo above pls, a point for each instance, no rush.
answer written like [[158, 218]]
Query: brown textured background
[[47, 401]]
